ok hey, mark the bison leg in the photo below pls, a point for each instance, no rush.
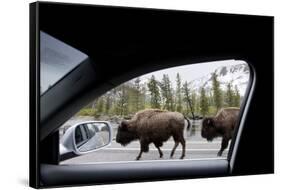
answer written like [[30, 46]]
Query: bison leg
[[139, 156], [182, 141], [144, 148], [224, 144], [174, 148], [159, 150]]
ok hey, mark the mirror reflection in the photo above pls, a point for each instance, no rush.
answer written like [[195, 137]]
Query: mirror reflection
[[91, 136]]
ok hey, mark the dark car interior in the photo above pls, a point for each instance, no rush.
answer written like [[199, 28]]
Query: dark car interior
[[123, 43]]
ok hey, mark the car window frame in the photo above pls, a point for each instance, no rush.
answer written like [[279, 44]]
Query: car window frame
[[233, 147], [223, 164]]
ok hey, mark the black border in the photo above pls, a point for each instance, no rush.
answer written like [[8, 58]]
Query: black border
[[34, 133], [35, 102]]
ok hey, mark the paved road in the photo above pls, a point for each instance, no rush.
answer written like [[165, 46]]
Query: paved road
[[115, 152], [196, 148]]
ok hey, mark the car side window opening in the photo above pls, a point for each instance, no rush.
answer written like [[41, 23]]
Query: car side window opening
[[184, 112]]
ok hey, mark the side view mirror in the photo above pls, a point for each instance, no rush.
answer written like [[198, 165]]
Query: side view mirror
[[86, 137]]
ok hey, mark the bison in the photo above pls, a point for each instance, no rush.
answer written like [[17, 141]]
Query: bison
[[222, 125], [153, 126]]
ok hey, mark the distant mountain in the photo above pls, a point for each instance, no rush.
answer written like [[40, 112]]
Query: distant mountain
[[237, 74]]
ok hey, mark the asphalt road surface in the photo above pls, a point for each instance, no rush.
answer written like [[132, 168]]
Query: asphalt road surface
[[196, 148]]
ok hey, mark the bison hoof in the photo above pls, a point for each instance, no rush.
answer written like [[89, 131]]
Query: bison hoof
[[219, 154], [161, 156], [137, 158], [181, 157]]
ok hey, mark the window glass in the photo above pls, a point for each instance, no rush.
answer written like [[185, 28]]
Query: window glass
[[189, 112], [56, 60], [91, 129], [78, 135], [85, 129]]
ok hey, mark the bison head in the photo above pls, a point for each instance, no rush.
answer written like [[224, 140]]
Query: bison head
[[208, 130], [125, 133]]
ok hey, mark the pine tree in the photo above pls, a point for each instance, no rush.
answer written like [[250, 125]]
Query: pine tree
[[122, 101], [114, 101], [186, 98], [194, 103], [137, 93], [143, 96], [204, 107], [217, 92], [236, 101], [155, 97], [164, 92], [133, 96], [229, 99], [178, 94], [167, 93]]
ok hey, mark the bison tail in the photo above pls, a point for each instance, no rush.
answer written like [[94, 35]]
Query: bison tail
[[187, 123]]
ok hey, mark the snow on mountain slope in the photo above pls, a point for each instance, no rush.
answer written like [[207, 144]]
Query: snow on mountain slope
[[236, 74]]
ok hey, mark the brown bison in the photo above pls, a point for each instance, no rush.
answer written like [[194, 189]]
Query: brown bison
[[222, 125], [153, 126]]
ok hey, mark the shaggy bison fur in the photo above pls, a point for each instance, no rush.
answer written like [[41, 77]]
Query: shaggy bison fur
[[222, 125], [153, 126]]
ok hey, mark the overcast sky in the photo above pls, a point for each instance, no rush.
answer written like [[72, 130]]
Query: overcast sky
[[190, 72]]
